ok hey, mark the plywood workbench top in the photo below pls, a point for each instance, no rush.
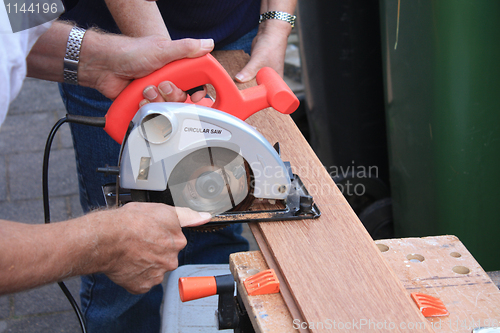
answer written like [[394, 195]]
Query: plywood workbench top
[[438, 266]]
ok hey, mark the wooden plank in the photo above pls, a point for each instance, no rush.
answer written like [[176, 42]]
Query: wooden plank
[[449, 272], [332, 267]]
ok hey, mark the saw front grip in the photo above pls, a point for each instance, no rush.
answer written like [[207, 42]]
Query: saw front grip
[[186, 74]]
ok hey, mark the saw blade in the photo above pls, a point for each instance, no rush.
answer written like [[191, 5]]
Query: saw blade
[[211, 179]]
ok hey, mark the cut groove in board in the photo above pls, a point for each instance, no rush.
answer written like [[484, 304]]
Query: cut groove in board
[[284, 289]]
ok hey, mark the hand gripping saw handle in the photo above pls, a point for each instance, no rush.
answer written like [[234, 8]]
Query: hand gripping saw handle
[[186, 74]]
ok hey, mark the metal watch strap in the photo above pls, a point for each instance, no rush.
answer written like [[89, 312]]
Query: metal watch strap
[[72, 57], [278, 16]]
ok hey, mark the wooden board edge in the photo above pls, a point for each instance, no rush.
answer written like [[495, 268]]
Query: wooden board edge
[[284, 288]]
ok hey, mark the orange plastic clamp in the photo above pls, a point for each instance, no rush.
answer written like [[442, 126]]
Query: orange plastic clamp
[[430, 306], [191, 288], [262, 283], [189, 73]]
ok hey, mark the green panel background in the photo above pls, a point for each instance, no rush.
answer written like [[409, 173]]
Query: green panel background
[[442, 80]]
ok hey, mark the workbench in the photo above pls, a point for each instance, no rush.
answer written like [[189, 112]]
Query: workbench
[[438, 266]]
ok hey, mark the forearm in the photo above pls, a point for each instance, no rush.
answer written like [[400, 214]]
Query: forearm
[[33, 255], [109, 62], [133, 245], [137, 18], [104, 58], [45, 60], [287, 6], [269, 46]]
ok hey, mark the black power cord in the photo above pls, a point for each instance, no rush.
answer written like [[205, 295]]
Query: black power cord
[[90, 121]]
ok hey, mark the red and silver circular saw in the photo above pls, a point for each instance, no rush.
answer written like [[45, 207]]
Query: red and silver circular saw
[[204, 156]]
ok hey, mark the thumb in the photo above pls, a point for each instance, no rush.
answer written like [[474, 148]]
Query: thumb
[[190, 218], [167, 51], [248, 72], [205, 46]]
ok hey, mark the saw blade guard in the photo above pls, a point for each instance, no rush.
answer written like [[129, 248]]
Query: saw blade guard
[[186, 74], [202, 155]]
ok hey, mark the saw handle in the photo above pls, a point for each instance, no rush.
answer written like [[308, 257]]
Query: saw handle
[[186, 74]]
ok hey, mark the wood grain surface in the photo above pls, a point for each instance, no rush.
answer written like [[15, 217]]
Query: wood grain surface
[[331, 265], [443, 267]]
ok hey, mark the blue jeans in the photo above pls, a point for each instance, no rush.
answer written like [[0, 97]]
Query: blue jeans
[[244, 43], [107, 307]]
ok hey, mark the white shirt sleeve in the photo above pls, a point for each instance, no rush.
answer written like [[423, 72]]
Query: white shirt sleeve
[[14, 48]]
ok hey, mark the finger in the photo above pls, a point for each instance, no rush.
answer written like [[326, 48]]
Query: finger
[[191, 218], [171, 93], [151, 94], [248, 72], [199, 95]]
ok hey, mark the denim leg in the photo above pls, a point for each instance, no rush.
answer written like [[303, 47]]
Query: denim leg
[[212, 247], [93, 146], [111, 308], [244, 43]]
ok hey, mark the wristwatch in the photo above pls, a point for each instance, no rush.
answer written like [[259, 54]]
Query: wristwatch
[[278, 16], [72, 57]]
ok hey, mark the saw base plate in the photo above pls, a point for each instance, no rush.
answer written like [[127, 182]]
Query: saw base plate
[[298, 205]]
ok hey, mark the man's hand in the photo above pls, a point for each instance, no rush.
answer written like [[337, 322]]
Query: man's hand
[[168, 92], [130, 58], [134, 245], [147, 238], [268, 49]]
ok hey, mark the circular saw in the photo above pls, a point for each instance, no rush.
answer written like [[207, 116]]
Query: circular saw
[[204, 156]]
